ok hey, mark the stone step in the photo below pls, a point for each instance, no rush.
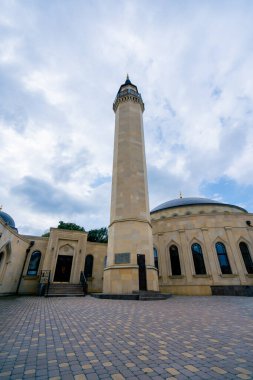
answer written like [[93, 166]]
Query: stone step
[[143, 296], [65, 295], [151, 295], [65, 290], [155, 298]]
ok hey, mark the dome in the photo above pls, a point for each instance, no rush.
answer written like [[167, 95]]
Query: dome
[[7, 219], [191, 201]]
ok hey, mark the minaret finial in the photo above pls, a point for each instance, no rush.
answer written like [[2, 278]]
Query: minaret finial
[[180, 194], [127, 80]]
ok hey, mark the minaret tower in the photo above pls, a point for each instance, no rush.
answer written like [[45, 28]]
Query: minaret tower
[[130, 261]]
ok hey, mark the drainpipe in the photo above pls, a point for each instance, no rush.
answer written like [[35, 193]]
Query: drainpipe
[[21, 274]]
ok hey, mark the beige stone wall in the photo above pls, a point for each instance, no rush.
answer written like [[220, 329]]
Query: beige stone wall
[[201, 224], [70, 243], [189, 226], [29, 284], [129, 184], [99, 252], [14, 248], [15, 260]]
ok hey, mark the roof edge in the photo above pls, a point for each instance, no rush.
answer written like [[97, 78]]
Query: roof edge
[[203, 204]]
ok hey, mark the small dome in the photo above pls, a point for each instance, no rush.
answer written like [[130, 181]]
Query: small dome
[[191, 201], [7, 219]]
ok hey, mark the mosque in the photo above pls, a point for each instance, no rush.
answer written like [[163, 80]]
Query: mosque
[[186, 246]]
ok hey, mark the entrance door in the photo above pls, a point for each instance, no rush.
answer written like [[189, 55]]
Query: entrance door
[[63, 268], [142, 272]]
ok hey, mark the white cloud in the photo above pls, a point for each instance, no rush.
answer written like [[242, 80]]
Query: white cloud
[[61, 65]]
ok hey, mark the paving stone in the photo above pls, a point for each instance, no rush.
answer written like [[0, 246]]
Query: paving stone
[[87, 338]]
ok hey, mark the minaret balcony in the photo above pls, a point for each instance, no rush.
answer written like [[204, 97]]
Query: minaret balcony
[[127, 95]]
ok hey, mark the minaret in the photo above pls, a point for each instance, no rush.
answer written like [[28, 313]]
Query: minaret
[[130, 261]]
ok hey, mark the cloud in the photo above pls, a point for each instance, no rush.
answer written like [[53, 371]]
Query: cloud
[[61, 65], [46, 198]]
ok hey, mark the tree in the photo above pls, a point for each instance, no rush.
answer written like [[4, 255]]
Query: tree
[[46, 234], [70, 226], [98, 235]]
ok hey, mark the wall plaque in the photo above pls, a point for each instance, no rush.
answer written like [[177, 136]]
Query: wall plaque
[[122, 258]]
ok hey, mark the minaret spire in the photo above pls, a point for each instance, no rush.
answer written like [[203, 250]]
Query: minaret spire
[[127, 80]]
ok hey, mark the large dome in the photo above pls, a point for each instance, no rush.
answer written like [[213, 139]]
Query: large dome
[[7, 219], [191, 201]]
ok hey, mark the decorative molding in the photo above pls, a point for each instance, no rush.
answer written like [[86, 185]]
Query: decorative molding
[[122, 266], [128, 95], [174, 277], [201, 275], [130, 220], [228, 275]]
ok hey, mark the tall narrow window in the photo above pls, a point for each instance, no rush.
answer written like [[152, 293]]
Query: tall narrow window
[[174, 261], [223, 258], [1, 257], [105, 261], [156, 259], [34, 264], [246, 257], [198, 259], [88, 266]]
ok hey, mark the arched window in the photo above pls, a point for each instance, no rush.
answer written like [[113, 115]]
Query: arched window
[[88, 266], [1, 257], [174, 261], [246, 257], [34, 264], [156, 258], [198, 259], [223, 258]]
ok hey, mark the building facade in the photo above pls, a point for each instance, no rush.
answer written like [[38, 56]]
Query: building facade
[[188, 246], [203, 246], [199, 245]]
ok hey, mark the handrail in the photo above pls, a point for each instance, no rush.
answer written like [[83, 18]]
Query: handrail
[[84, 283], [45, 280], [48, 283]]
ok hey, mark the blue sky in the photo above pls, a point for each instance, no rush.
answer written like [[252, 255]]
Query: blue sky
[[61, 64]]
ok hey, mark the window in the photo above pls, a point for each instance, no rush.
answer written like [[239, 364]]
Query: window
[[246, 257], [174, 261], [88, 266], [34, 264], [105, 261], [198, 259], [1, 257], [156, 259], [223, 258]]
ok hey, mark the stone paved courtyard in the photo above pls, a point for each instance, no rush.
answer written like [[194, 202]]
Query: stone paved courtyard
[[88, 338]]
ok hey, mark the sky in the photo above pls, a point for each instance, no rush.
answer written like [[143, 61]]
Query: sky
[[61, 65]]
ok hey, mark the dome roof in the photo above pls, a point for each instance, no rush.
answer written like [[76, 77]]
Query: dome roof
[[7, 219], [191, 201]]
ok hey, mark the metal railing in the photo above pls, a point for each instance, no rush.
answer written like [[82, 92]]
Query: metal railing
[[45, 282], [84, 283]]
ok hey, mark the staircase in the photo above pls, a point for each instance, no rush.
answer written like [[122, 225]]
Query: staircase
[[65, 290]]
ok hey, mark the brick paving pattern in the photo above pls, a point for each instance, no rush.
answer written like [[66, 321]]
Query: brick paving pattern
[[88, 338]]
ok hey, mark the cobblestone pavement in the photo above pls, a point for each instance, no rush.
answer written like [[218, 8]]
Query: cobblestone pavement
[[88, 338]]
